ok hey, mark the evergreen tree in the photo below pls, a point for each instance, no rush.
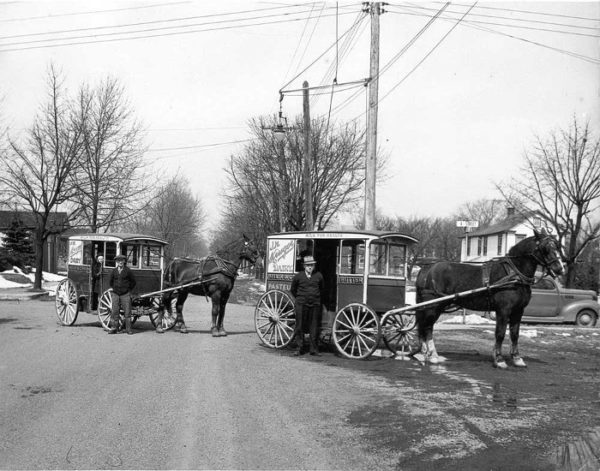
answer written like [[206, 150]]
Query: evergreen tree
[[17, 242]]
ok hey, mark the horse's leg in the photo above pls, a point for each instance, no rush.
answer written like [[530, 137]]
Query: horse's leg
[[424, 326], [501, 321], [179, 322], [515, 325], [216, 307], [221, 318], [164, 301]]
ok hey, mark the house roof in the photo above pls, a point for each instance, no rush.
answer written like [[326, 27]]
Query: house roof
[[57, 219], [504, 226]]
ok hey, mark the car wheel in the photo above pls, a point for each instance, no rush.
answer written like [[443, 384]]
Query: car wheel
[[586, 318]]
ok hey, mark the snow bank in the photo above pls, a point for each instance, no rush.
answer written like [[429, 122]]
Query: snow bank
[[470, 319]]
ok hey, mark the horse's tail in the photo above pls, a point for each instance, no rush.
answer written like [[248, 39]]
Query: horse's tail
[[168, 276]]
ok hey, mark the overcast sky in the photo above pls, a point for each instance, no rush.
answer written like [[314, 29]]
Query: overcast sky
[[461, 96]]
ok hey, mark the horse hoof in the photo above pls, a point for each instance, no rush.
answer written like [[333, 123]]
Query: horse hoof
[[501, 365], [160, 330], [183, 329], [518, 361], [222, 333], [214, 331], [419, 357], [434, 359]]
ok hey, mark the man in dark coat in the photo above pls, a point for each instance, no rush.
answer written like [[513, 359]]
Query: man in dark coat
[[307, 287], [122, 283]]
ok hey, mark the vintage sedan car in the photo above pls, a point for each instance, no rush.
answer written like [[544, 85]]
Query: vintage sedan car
[[552, 303]]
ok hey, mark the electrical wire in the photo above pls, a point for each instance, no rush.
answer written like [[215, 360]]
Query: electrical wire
[[3, 48]]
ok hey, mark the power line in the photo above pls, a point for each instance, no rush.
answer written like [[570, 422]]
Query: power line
[[162, 21], [510, 18], [146, 36], [199, 146], [47, 17], [470, 24], [557, 15], [507, 25]]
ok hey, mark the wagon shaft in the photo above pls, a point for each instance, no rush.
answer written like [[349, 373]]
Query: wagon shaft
[[450, 297]]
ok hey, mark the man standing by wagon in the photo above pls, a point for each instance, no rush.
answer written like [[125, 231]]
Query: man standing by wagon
[[122, 283], [307, 287]]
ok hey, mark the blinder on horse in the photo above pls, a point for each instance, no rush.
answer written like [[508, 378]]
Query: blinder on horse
[[547, 254]]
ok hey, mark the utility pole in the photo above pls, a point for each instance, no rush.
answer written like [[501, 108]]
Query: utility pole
[[375, 10], [307, 159]]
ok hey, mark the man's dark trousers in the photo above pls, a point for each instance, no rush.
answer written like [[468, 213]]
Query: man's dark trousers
[[308, 316]]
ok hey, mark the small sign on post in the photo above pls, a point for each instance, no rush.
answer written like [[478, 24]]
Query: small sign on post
[[467, 223], [468, 227]]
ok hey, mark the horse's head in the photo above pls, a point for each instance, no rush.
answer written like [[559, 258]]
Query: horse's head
[[547, 253], [249, 250]]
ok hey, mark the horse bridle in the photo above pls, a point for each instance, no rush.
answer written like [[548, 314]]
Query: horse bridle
[[541, 259]]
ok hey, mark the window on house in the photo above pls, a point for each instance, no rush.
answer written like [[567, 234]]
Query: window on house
[[468, 241], [499, 244], [479, 245], [485, 244]]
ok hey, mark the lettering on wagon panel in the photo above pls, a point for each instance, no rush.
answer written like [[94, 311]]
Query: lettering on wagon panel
[[281, 256], [350, 280]]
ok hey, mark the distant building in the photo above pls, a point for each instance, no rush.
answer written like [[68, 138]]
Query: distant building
[[494, 241], [57, 222]]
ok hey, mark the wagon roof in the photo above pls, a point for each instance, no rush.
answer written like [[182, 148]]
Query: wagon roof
[[370, 235], [118, 236]]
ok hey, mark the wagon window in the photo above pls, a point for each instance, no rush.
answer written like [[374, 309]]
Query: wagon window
[[131, 252], [397, 260], [111, 253], [150, 257], [378, 260], [353, 257]]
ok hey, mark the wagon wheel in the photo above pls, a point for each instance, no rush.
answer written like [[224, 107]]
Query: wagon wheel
[[66, 303], [355, 331], [397, 332], [274, 318], [105, 310], [169, 315]]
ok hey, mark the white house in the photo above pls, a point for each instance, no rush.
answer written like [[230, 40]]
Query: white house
[[494, 241]]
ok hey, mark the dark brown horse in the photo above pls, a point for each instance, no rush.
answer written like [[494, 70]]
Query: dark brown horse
[[514, 272], [217, 275]]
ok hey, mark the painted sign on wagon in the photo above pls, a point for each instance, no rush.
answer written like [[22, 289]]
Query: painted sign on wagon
[[281, 256]]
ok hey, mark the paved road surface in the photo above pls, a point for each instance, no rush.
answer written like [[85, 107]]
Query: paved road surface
[[76, 398]]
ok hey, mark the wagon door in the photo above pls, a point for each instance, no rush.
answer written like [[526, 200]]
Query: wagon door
[[350, 282], [386, 286]]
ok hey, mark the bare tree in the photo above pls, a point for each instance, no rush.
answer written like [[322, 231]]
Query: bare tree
[[110, 179], [485, 211], [266, 181], [174, 215], [37, 172], [438, 238], [560, 183]]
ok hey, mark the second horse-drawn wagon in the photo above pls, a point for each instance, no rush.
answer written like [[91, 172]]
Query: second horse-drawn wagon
[[365, 280], [91, 257]]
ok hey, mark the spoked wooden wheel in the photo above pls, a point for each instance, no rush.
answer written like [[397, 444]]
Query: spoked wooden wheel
[[397, 332], [66, 303], [355, 331], [105, 310], [169, 314], [275, 319]]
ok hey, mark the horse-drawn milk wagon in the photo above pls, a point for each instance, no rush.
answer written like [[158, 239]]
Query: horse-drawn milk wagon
[[364, 277], [86, 286], [365, 282]]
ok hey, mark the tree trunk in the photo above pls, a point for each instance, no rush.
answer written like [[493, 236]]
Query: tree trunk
[[39, 261]]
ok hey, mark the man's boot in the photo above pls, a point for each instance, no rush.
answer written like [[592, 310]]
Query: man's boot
[[128, 326], [113, 326]]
